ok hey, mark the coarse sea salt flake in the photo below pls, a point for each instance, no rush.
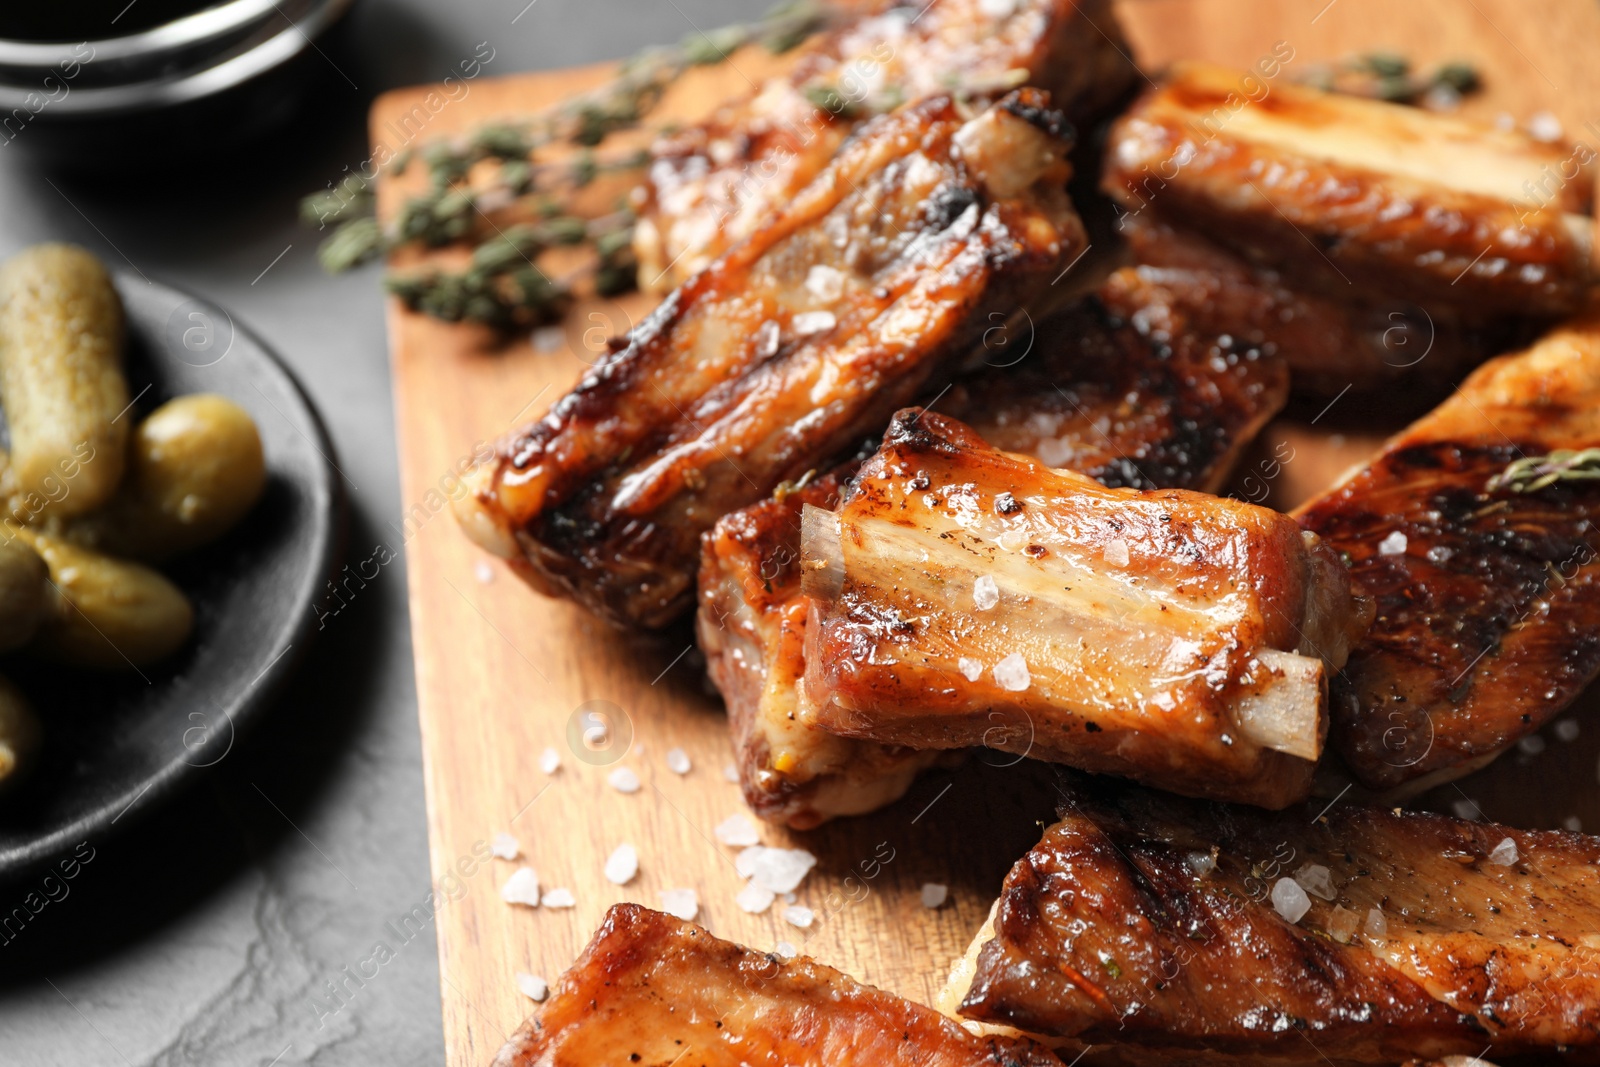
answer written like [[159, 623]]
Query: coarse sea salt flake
[[754, 899], [622, 865], [1317, 880], [809, 322], [681, 903], [1289, 900], [1566, 730], [730, 771], [532, 986], [549, 761], [521, 888], [1202, 863], [505, 847], [798, 915], [825, 282], [777, 869], [738, 831], [971, 669], [1117, 553], [1393, 545], [1342, 926], [1012, 673], [784, 949], [985, 593], [624, 780], [1377, 925], [1505, 853], [483, 572], [934, 894], [560, 897], [678, 761]]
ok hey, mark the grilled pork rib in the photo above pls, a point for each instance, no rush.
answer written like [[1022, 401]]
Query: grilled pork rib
[[962, 596], [1330, 343], [1177, 931], [1484, 627], [715, 183], [1361, 196], [927, 229], [1152, 405], [653, 991]]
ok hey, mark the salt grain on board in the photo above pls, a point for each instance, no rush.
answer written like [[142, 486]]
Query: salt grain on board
[[681, 903], [505, 847], [934, 894], [1505, 853], [1289, 900], [784, 949], [624, 780], [737, 831], [483, 572], [622, 865], [985, 593], [560, 897], [798, 915], [549, 761], [730, 771], [678, 761], [532, 986], [521, 888], [1012, 673], [754, 899], [1566, 730], [778, 869]]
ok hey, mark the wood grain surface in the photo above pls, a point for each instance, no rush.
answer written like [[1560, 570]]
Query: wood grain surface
[[501, 671]]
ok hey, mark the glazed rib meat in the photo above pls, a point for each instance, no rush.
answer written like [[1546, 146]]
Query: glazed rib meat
[[1152, 407], [715, 183], [1185, 932], [784, 353], [1330, 342], [1485, 588], [653, 991], [963, 596], [1361, 196]]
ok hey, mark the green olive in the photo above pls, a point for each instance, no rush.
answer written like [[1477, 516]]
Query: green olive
[[24, 593], [61, 381], [108, 613], [19, 734], [196, 469]]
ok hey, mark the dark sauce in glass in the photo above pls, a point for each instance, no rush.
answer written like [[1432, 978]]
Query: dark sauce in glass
[[89, 20]]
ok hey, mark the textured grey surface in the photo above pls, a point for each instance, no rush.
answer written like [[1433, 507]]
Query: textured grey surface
[[209, 933]]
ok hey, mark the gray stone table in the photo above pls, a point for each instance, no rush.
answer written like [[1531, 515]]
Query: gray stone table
[[204, 936]]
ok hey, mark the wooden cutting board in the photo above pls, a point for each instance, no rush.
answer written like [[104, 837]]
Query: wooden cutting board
[[502, 672]]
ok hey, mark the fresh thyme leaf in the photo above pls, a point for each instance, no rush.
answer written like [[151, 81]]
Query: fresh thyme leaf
[[1530, 474], [353, 243]]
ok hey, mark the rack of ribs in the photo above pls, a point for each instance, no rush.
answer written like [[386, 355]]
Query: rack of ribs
[[1117, 387], [653, 991], [930, 226], [963, 596], [712, 184], [1484, 585], [1169, 931]]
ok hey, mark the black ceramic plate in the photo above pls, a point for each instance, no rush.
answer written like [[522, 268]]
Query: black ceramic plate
[[116, 745]]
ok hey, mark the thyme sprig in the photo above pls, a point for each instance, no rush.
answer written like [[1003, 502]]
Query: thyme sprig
[[1533, 473], [1388, 76], [504, 286]]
